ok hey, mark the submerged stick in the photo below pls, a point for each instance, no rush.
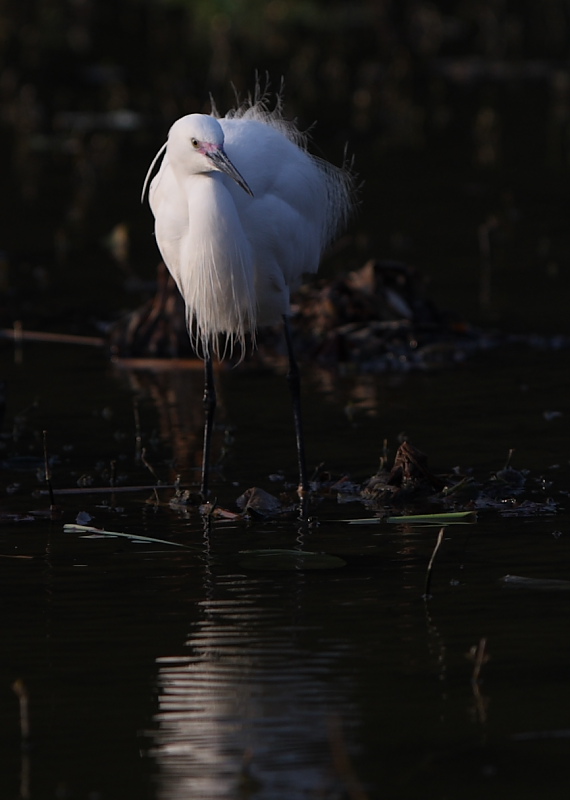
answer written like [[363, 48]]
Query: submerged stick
[[21, 691], [480, 657], [431, 562]]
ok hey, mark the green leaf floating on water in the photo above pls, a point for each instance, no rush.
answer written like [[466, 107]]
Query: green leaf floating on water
[[451, 518], [288, 560]]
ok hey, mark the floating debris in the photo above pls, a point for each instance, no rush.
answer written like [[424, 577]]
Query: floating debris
[[9, 518], [89, 529], [532, 736], [409, 479], [450, 518], [528, 508], [410, 483], [260, 503], [536, 584]]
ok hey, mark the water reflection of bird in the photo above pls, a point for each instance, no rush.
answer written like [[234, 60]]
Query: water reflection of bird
[[242, 211]]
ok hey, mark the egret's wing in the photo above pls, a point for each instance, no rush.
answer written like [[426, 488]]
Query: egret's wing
[[273, 164]]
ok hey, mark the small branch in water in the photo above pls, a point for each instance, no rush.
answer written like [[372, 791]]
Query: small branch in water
[[48, 473], [138, 438], [19, 335], [152, 471], [316, 472], [148, 465], [478, 654], [431, 562]]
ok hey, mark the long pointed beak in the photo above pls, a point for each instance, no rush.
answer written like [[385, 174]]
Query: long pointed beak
[[221, 162]]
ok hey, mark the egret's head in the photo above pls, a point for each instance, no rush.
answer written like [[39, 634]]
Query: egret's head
[[196, 144]]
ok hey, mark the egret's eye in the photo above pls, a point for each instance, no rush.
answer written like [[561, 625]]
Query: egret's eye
[[194, 142]]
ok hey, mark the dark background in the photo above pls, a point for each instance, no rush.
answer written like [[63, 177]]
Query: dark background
[[457, 114]]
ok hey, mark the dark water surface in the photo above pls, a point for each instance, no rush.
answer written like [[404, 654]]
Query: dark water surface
[[157, 671]]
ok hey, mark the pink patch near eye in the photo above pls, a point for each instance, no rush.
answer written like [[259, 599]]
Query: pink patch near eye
[[208, 147]]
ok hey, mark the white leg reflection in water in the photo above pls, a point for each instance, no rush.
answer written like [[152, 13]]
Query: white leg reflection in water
[[253, 710]]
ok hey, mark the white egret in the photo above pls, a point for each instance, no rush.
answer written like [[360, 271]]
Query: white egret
[[242, 211]]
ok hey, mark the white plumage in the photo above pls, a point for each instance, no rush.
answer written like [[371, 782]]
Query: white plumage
[[242, 211]]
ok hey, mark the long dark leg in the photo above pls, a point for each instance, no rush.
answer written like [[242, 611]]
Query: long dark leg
[[209, 410], [294, 381]]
